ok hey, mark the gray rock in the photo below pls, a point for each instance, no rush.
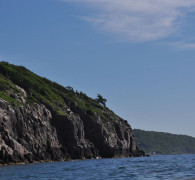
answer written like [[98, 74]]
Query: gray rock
[[26, 134], [33, 133]]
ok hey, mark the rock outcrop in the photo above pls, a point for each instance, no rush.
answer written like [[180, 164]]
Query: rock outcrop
[[30, 133], [26, 134], [43, 121]]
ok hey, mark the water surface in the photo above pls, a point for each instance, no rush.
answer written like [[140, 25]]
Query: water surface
[[171, 167]]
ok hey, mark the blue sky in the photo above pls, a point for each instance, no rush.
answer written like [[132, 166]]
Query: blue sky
[[139, 55]]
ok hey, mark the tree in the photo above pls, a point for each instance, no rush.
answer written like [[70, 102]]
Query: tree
[[69, 88], [101, 100]]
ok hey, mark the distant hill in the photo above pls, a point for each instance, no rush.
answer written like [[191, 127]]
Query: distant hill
[[164, 143]]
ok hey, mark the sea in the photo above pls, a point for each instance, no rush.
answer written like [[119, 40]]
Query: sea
[[173, 167]]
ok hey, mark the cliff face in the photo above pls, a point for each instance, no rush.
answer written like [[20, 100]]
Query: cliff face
[[31, 131], [26, 134]]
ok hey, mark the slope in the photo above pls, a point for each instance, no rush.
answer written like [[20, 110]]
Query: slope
[[164, 143]]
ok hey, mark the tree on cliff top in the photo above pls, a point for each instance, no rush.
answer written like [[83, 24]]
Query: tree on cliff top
[[101, 100]]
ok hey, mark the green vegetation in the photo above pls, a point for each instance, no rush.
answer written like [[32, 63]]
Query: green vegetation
[[164, 143], [101, 100], [41, 90]]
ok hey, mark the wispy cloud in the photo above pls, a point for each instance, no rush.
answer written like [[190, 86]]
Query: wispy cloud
[[138, 20], [181, 45]]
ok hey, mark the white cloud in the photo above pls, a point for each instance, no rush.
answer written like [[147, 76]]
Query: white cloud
[[138, 20]]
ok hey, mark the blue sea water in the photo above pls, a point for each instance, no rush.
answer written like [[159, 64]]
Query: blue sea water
[[176, 167]]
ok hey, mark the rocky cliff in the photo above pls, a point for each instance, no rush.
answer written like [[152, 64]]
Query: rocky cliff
[[43, 121]]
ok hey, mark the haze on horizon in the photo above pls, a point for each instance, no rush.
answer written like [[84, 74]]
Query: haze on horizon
[[139, 55]]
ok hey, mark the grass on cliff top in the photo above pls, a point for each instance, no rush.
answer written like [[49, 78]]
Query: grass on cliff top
[[42, 90]]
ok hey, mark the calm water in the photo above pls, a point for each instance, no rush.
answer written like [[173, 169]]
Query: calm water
[[155, 167]]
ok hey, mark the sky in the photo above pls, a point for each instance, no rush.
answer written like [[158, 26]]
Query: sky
[[138, 54]]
